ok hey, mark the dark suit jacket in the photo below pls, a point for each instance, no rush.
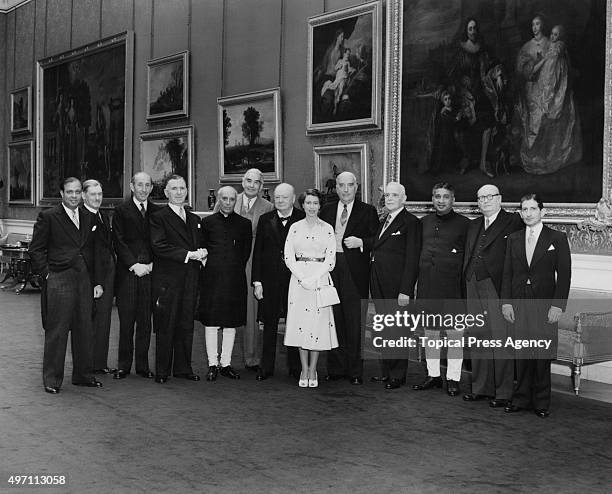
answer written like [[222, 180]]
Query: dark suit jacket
[[494, 251], [363, 223], [395, 257], [57, 244], [105, 232], [549, 272], [132, 236], [268, 265], [171, 239]]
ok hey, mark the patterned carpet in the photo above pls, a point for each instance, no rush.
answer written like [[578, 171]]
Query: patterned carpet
[[273, 437]]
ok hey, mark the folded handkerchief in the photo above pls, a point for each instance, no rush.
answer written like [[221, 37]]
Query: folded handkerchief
[[454, 251], [94, 228], [552, 247], [396, 233]]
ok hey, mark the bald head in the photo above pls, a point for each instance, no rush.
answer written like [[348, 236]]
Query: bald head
[[489, 200], [284, 197]]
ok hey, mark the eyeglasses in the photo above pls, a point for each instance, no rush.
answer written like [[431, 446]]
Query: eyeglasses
[[488, 197]]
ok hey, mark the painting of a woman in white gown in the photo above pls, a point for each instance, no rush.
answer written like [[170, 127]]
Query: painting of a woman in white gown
[[524, 80], [550, 125]]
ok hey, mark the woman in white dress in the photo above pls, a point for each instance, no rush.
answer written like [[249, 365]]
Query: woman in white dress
[[310, 255]]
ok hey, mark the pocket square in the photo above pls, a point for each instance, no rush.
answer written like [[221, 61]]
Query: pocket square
[[94, 228], [552, 247], [454, 251], [396, 233]]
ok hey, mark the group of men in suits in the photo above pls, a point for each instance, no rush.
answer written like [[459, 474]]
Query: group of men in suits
[[157, 260], [507, 266]]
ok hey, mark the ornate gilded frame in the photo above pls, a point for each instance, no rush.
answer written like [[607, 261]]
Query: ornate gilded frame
[[156, 159], [557, 212], [361, 170], [159, 67], [326, 21], [48, 169], [265, 102]]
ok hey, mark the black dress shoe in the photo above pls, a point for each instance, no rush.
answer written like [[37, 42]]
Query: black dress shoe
[[498, 403], [510, 408], [211, 375], [52, 389], [145, 374], [90, 384], [356, 380], [121, 374], [429, 383], [227, 371], [542, 413], [262, 375], [161, 379], [253, 368], [189, 377], [334, 377], [104, 370], [393, 384], [452, 388], [379, 379], [475, 397]]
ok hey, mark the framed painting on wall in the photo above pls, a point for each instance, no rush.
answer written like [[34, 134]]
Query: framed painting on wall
[[21, 110], [332, 160], [344, 69], [168, 87], [516, 94], [21, 172], [168, 152], [250, 134], [84, 126]]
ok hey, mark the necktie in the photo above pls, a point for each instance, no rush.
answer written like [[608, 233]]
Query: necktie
[[143, 211], [487, 223], [75, 218], [344, 216], [530, 245], [182, 215], [387, 223]]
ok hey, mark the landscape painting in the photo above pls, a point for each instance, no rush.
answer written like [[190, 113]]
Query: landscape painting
[[250, 135]]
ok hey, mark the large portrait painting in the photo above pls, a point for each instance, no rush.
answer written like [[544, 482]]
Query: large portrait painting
[[250, 133], [330, 161], [85, 110], [21, 110], [344, 69], [168, 87], [21, 172], [511, 93], [168, 152]]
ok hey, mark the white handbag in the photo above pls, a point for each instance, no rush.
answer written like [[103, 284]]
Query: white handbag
[[327, 295]]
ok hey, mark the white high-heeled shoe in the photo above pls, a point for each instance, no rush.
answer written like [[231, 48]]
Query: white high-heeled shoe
[[314, 383], [303, 383]]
